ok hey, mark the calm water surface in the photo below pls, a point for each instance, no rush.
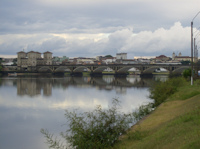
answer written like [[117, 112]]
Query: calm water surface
[[28, 104]]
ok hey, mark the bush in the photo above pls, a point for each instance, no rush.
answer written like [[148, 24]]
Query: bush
[[187, 73], [143, 111], [96, 129], [162, 90]]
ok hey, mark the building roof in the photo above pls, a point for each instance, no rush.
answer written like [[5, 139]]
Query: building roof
[[161, 56], [31, 52], [182, 57], [47, 52]]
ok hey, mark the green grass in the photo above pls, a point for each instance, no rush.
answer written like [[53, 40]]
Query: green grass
[[174, 124], [187, 91]]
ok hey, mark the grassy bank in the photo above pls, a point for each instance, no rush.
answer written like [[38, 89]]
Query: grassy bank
[[174, 124]]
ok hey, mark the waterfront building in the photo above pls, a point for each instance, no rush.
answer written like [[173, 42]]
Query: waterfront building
[[32, 58], [180, 58]]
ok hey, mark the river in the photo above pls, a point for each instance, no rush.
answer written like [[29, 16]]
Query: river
[[29, 103]]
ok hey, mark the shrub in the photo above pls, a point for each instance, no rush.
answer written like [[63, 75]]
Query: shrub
[[162, 90], [143, 111], [187, 73], [96, 129]]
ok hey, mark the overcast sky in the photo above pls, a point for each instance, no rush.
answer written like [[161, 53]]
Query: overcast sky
[[89, 28]]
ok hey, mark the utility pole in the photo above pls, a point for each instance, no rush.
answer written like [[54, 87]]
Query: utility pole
[[192, 48], [192, 52]]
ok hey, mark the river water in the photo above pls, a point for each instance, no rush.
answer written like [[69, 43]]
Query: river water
[[29, 103]]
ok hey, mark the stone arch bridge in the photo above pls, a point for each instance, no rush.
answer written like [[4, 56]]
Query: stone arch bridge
[[117, 68]]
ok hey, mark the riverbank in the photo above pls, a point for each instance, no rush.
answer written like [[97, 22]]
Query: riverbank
[[174, 124]]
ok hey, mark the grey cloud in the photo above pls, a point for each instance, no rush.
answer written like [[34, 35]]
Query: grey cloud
[[133, 26], [29, 16]]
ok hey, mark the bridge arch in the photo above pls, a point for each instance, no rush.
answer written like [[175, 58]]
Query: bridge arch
[[127, 68], [153, 68], [63, 69], [101, 69], [81, 69], [45, 69], [180, 69]]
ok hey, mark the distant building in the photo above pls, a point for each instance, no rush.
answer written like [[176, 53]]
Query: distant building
[[83, 60], [120, 56], [60, 60], [108, 60], [7, 61], [162, 58], [180, 58], [143, 61], [32, 58], [129, 61]]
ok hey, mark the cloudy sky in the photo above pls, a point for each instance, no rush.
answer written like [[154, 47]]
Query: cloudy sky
[[88, 28]]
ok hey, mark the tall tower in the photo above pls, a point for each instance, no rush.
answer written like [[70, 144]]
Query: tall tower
[[173, 56]]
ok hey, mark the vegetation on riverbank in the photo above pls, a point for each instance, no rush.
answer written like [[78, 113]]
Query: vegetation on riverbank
[[174, 124], [96, 129]]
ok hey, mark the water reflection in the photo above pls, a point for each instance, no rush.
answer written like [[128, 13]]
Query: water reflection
[[28, 104], [33, 86]]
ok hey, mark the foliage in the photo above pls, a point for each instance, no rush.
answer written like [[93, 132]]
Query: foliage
[[143, 111], [187, 73], [163, 90], [53, 143], [99, 128], [185, 62], [174, 75], [108, 56]]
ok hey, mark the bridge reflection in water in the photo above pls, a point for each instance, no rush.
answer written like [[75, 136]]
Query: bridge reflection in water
[[33, 86]]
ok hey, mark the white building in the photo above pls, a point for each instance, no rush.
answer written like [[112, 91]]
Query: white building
[[120, 56]]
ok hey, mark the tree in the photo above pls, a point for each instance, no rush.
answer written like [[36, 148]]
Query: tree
[[99, 128], [187, 73], [185, 62], [108, 56]]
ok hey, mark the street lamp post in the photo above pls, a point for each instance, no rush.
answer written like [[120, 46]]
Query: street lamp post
[[192, 48]]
